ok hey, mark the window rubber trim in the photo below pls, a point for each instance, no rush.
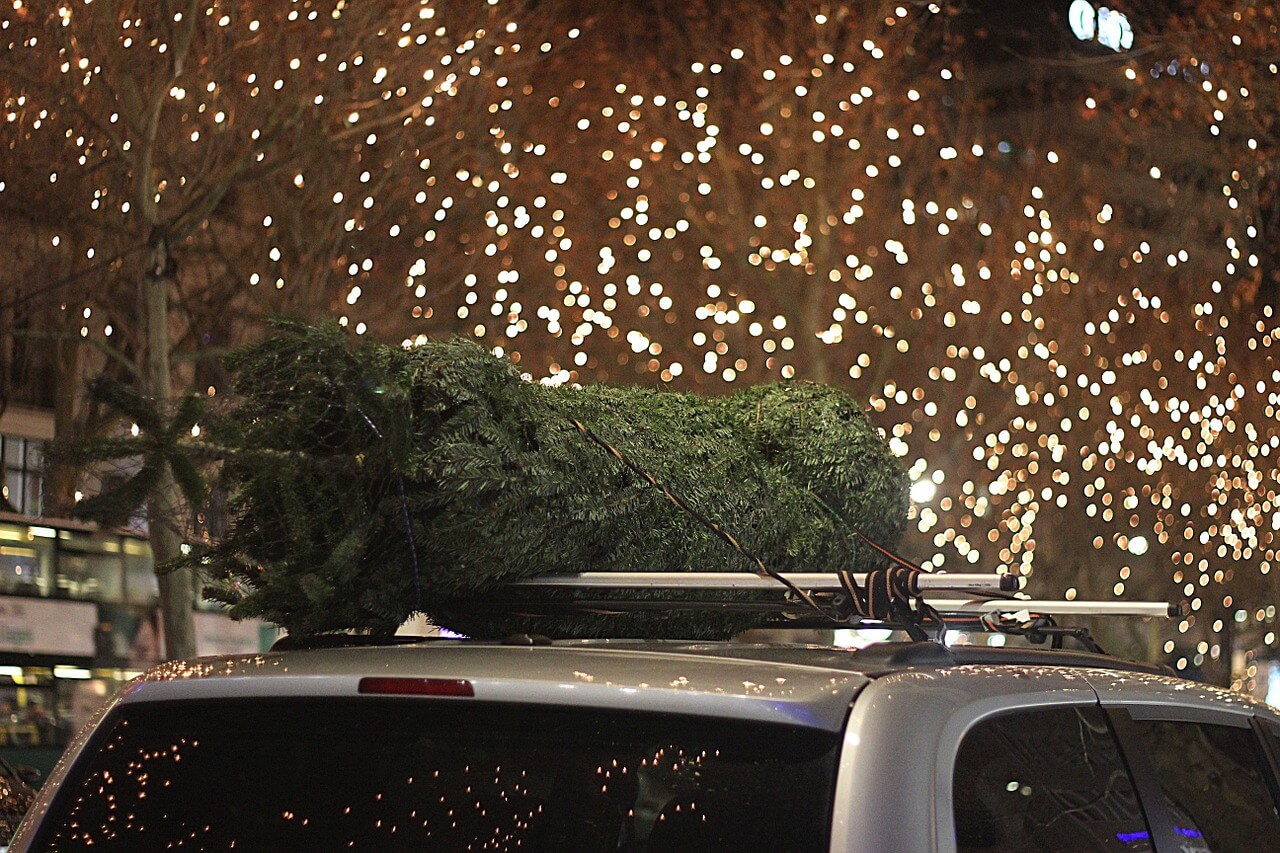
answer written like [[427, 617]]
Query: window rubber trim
[[1164, 838], [1200, 716]]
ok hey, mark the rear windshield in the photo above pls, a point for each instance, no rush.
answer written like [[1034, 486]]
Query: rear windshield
[[395, 774]]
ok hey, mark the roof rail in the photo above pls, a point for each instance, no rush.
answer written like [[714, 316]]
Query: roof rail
[[893, 656], [341, 640], [992, 604], [815, 581]]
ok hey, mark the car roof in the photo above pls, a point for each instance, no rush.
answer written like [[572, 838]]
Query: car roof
[[659, 677], [810, 685]]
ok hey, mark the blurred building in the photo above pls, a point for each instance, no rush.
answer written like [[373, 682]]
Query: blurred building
[[78, 605]]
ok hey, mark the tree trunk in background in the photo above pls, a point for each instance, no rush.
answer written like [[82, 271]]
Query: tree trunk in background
[[813, 357], [60, 482], [176, 595]]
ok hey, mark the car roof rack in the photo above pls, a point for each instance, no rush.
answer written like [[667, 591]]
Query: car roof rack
[[343, 639], [990, 602], [989, 593], [816, 581], [980, 601]]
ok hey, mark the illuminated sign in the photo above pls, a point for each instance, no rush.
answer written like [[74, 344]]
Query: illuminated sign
[[1105, 26]]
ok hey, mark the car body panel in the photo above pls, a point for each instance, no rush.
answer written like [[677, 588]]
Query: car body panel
[[906, 727], [901, 743], [903, 717], [1174, 698], [641, 679]]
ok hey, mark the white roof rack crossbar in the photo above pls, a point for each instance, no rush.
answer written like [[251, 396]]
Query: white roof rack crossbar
[[1043, 607]]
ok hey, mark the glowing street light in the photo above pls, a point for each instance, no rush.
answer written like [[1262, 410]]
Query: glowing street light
[[1106, 26]]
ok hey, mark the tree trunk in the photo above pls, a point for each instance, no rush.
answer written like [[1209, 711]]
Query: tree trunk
[[813, 357], [60, 484], [176, 595]]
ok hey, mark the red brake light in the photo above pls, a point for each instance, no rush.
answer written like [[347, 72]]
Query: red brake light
[[416, 686]]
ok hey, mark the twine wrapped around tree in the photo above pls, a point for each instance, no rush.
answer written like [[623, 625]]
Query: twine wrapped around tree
[[373, 482]]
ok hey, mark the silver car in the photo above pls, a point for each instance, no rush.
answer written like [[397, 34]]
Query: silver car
[[612, 745]]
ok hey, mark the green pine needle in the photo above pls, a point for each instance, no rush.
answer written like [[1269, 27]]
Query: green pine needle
[[499, 486]]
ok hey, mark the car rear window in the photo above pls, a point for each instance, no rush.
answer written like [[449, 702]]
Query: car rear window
[[396, 774]]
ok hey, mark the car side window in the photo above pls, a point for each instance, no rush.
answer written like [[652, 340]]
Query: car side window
[[1045, 779], [1214, 783]]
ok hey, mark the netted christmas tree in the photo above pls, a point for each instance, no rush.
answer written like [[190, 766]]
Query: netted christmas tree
[[371, 482]]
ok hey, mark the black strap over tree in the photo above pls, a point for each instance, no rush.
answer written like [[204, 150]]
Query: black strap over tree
[[891, 595], [732, 541]]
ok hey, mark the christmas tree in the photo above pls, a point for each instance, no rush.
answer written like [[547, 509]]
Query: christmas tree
[[371, 482]]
